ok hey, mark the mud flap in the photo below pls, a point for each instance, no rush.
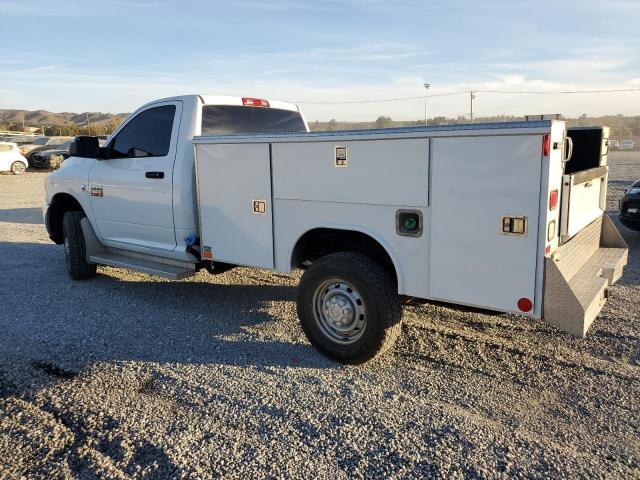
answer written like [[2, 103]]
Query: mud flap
[[579, 273], [91, 242]]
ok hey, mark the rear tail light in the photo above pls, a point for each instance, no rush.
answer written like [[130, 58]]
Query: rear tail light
[[547, 250], [553, 200], [254, 102], [546, 145]]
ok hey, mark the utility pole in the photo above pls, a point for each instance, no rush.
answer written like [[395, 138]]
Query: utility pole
[[426, 89], [88, 126], [471, 98]]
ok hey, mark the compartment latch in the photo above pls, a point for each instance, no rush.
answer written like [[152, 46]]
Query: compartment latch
[[514, 225]]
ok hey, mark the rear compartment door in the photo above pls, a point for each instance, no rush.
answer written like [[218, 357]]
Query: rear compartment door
[[477, 182], [584, 183]]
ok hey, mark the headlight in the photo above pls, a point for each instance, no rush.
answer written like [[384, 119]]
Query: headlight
[[633, 191]]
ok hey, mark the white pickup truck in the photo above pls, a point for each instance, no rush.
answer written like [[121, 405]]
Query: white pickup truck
[[507, 217]]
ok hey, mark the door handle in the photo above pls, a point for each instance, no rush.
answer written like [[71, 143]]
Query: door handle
[[154, 174]]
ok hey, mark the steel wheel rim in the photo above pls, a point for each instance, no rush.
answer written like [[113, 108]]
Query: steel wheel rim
[[339, 311], [18, 168]]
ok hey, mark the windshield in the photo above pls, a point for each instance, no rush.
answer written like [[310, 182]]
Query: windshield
[[231, 119]]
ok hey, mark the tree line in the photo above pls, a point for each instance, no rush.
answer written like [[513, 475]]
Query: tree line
[[621, 126]]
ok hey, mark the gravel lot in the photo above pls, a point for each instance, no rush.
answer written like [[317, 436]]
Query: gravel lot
[[132, 376]]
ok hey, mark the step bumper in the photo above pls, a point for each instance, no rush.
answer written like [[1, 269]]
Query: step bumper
[[579, 275]]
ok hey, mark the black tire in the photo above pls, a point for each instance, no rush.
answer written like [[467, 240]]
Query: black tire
[[371, 297], [75, 249]]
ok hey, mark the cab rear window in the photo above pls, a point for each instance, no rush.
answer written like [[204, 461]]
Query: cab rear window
[[232, 119]]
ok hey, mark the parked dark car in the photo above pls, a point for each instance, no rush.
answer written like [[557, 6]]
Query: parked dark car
[[42, 159], [43, 143], [630, 207]]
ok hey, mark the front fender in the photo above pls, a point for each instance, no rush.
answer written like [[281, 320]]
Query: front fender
[[67, 189]]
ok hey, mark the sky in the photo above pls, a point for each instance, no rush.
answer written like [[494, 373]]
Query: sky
[[113, 56]]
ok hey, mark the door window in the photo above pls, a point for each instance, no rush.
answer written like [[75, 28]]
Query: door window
[[148, 134]]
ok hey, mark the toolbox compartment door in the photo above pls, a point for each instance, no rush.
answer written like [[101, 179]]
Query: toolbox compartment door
[[235, 206], [475, 183]]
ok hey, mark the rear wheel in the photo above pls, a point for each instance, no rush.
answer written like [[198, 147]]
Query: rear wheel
[[18, 168], [349, 307], [75, 250]]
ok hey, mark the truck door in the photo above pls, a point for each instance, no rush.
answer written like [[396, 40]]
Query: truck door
[[131, 190]]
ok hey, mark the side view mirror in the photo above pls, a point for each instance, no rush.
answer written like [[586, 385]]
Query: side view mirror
[[84, 146]]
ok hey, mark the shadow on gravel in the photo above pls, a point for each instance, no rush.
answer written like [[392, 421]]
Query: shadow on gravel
[[21, 215], [88, 447], [57, 327]]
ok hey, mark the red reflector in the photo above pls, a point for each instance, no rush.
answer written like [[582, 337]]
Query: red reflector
[[254, 102], [553, 199], [525, 305], [547, 250], [546, 145]]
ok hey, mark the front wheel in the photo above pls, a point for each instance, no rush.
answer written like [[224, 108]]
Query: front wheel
[[18, 168], [75, 250], [349, 307]]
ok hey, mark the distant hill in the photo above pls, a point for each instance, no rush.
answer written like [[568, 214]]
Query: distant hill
[[42, 117]]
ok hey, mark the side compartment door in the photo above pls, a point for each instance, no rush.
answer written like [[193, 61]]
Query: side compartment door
[[131, 190], [235, 203], [478, 184]]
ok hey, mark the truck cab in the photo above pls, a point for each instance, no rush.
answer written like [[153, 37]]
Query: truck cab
[[140, 193]]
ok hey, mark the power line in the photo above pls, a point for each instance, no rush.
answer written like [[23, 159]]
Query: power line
[[421, 97], [465, 92], [551, 92]]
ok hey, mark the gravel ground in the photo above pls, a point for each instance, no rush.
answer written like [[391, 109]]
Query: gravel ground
[[132, 376]]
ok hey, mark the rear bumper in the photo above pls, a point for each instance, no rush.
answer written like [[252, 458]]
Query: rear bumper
[[579, 275]]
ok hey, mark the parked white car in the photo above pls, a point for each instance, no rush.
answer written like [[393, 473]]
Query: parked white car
[[11, 160], [627, 145]]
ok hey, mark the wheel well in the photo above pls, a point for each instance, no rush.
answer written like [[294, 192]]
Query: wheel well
[[60, 204], [319, 242]]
